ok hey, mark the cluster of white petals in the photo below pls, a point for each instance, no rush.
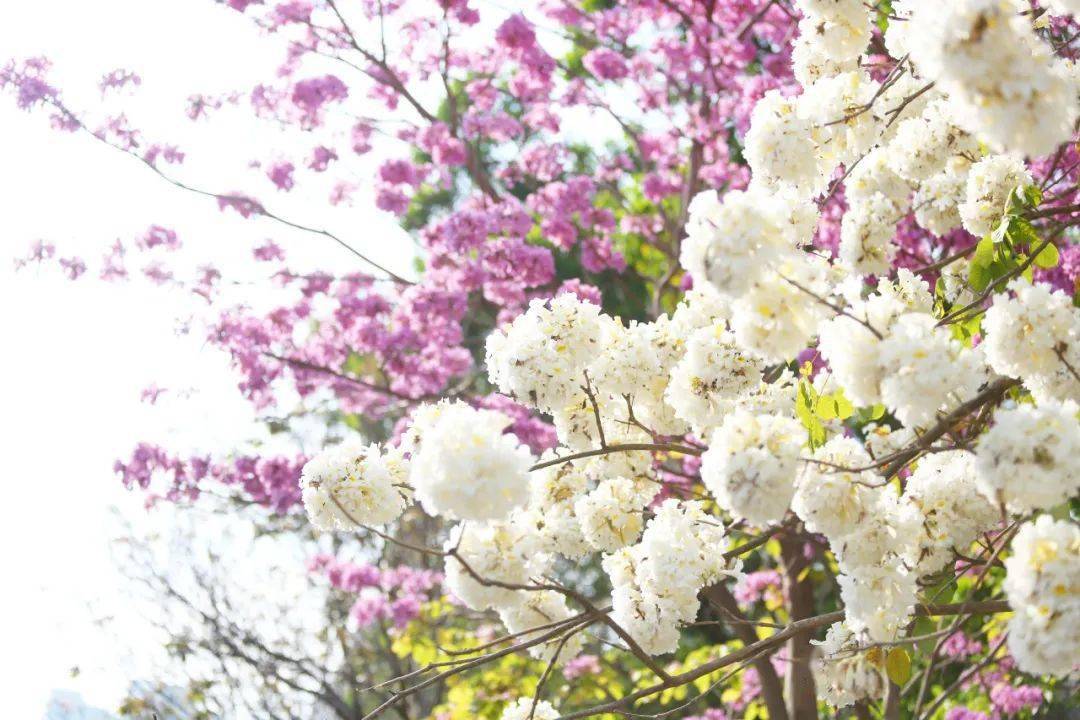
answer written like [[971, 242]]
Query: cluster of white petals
[[1042, 583], [750, 465], [1030, 459], [655, 583], [1035, 335], [464, 466], [489, 561], [1005, 82], [844, 674], [953, 512], [354, 484], [539, 612], [529, 709], [538, 359]]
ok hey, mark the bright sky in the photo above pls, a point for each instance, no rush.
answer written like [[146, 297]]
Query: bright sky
[[78, 354]]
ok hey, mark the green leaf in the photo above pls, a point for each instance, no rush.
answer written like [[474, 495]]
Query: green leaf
[[979, 276], [1022, 232], [826, 408], [844, 408], [1048, 257], [984, 252], [898, 666]]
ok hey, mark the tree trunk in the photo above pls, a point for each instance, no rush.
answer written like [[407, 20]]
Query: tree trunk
[[772, 691], [799, 685]]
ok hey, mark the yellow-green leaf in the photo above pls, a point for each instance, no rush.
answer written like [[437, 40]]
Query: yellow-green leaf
[[898, 666], [1048, 257]]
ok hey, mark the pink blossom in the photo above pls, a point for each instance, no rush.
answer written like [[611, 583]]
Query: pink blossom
[[516, 33], [312, 94], [281, 174], [581, 665], [606, 64], [158, 236], [321, 157]]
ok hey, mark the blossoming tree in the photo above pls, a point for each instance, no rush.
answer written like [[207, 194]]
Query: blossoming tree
[[764, 404]]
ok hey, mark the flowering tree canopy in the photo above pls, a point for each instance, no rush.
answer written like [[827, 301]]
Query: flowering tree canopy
[[760, 399]]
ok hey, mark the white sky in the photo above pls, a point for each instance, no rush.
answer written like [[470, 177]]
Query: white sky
[[77, 355]]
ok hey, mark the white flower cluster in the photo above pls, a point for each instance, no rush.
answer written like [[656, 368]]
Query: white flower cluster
[[540, 610], [731, 242], [953, 512], [712, 374], [611, 515], [655, 583], [915, 368], [989, 183], [845, 674], [540, 356], [1035, 336], [832, 36], [353, 484], [750, 465], [1005, 83], [1042, 583], [884, 542], [1030, 459], [493, 555], [523, 709], [464, 466]]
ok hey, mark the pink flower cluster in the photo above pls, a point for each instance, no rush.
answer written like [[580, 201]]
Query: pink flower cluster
[[755, 586], [393, 595], [269, 481]]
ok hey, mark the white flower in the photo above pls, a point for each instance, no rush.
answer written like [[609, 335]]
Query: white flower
[[878, 600], [536, 610], [780, 148], [834, 494], [924, 144], [854, 351], [954, 513], [610, 515], [731, 241], [710, 375], [841, 36], [846, 676], [1030, 458], [655, 583], [937, 201], [1005, 82], [811, 61], [750, 465], [780, 312], [989, 183], [866, 234], [502, 552], [881, 440], [464, 466], [872, 177], [354, 484], [626, 361], [886, 536], [925, 370], [1042, 583], [522, 709], [1035, 335], [844, 130], [540, 357]]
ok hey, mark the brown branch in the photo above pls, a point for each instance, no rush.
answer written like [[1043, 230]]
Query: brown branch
[[991, 393]]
